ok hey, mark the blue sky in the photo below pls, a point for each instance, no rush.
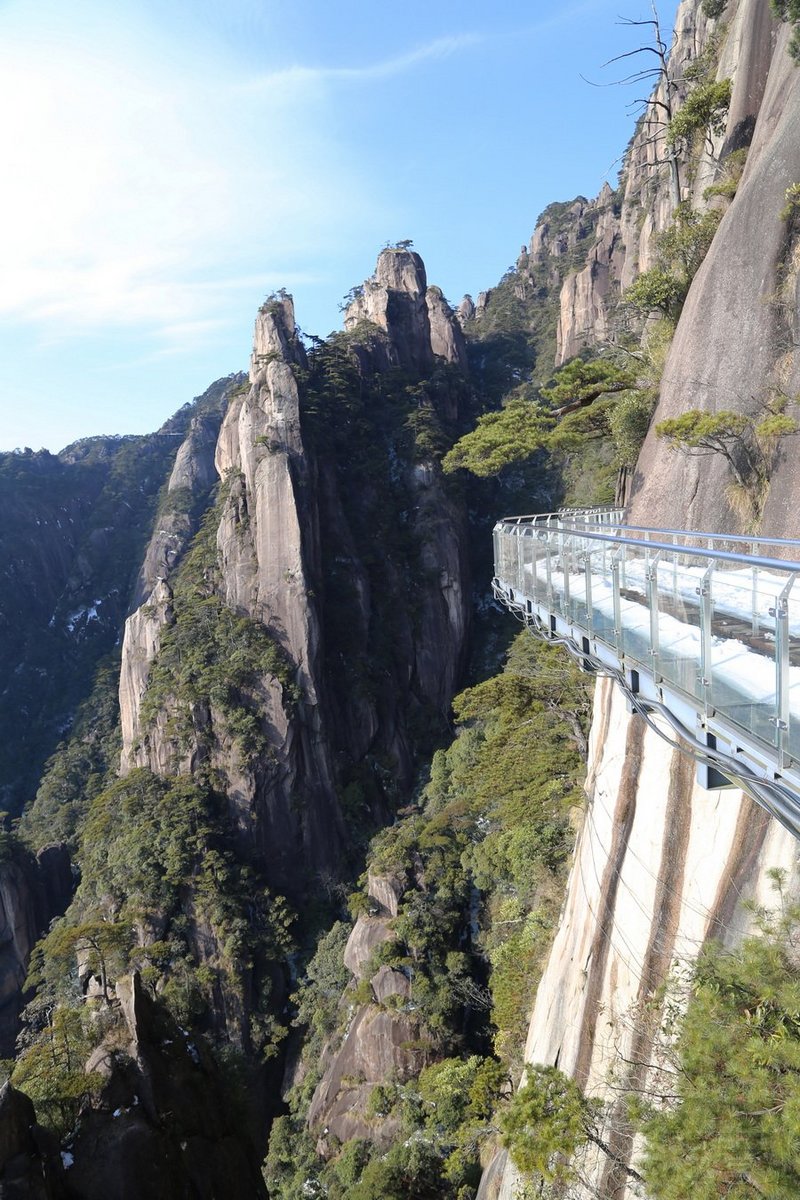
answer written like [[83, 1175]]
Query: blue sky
[[168, 163]]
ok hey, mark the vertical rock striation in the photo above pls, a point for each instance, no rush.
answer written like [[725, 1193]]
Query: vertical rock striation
[[660, 866]]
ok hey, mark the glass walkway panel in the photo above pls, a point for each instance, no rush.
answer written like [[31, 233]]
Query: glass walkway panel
[[704, 628]]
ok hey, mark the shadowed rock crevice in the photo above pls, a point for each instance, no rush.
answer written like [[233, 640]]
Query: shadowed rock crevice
[[665, 921], [624, 813]]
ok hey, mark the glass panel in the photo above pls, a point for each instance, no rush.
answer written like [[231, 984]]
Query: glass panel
[[634, 607], [679, 644], [557, 570], [578, 612], [538, 571], [598, 556], [744, 679], [526, 575], [507, 549]]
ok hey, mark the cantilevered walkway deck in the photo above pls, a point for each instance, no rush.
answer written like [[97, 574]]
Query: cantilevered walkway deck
[[702, 628]]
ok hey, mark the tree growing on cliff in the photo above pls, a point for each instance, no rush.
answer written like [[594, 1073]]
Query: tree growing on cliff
[[680, 249], [552, 422], [789, 10], [548, 1120], [501, 439], [733, 1128], [747, 442], [704, 111]]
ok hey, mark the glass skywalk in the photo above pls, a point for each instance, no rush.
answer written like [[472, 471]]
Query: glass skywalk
[[705, 627]]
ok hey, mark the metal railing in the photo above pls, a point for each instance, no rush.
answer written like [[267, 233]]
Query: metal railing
[[711, 622]]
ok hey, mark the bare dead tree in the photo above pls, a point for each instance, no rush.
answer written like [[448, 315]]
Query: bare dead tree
[[658, 109]]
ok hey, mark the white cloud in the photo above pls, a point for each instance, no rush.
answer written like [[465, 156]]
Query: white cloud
[[139, 193], [315, 76]]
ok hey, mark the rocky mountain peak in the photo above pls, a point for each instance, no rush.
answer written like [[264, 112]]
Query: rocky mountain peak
[[275, 334], [419, 322], [402, 270], [465, 311]]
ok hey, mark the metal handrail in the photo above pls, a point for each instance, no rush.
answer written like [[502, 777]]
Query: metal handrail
[[568, 521], [714, 633], [750, 560]]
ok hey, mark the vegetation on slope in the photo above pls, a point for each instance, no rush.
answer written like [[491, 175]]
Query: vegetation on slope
[[719, 1107], [482, 859], [211, 659], [73, 529], [731, 1121], [163, 891]]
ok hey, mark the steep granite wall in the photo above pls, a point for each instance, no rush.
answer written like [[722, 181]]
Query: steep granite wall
[[662, 865], [296, 554]]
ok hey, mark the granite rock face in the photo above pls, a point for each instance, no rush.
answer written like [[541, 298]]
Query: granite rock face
[[288, 522], [384, 1040], [746, 292], [163, 1125], [188, 487], [33, 890], [30, 1163], [661, 865], [419, 322], [590, 251]]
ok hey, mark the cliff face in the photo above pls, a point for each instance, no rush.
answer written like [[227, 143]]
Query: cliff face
[[661, 865], [73, 529], [746, 292], [296, 553], [589, 252], [33, 890]]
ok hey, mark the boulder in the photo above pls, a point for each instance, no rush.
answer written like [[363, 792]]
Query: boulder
[[387, 981]]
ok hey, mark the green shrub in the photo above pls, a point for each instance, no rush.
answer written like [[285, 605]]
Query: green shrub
[[705, 110], [789, 10], [731, 1129]]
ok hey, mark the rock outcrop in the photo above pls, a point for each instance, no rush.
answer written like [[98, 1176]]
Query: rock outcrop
[[419, 322], [189, 485], [30, 1164], [292, 535], [384, 1039], [32, 892], [163, 1124], [587, 252], [746, 291]]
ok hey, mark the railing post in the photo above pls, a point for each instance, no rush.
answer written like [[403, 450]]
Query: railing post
[[706, 610], [782, 679], [754, 593], [587, 564], [565, 572], [549, 571], [651, 574], [675, 577], [616, 558]]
